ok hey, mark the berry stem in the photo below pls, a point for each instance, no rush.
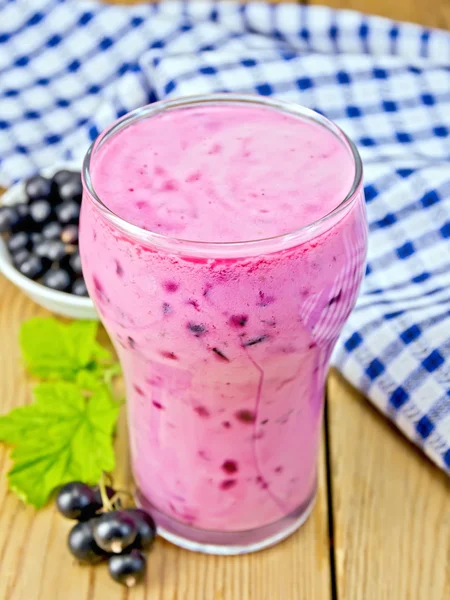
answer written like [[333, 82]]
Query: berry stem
[[109, 479], [107, 504]]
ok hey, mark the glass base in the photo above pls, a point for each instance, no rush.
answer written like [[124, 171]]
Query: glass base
[[227, 543]]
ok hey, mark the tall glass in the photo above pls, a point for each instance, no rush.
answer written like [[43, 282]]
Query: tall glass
[[224, 427]]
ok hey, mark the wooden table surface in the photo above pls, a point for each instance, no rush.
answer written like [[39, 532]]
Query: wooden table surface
[[380, 529]]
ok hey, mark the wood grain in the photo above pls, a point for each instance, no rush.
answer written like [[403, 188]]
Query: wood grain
[[35, 564], [432, 13], [391, 507]]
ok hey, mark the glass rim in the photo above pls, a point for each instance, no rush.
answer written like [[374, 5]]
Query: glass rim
[[155, 108]]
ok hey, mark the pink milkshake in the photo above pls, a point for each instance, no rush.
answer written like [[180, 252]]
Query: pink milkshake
[[223, 241]]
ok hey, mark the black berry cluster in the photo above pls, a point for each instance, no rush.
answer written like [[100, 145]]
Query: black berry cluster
[[41, 233], [106, 531]]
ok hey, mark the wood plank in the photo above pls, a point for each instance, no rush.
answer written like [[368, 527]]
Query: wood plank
[[433, 13], [35, 564], [391, 507]]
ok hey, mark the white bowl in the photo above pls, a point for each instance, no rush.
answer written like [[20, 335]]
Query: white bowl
[[61, 303]]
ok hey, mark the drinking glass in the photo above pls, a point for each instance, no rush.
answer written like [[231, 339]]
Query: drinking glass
[[225, 398]]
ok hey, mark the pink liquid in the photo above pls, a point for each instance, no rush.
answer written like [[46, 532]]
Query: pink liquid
[[223, 174], [225, 356]]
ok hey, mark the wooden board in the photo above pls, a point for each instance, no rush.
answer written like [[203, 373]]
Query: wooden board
[[391, 507], [432, 13], [35, 564]]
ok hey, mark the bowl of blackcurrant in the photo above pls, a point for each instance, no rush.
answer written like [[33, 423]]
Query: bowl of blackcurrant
[[106, 531], [39, 241]]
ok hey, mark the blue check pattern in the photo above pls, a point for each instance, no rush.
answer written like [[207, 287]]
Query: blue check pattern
[[67, 69]]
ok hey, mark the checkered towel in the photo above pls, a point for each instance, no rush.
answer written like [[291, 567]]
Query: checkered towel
[[69, 68]]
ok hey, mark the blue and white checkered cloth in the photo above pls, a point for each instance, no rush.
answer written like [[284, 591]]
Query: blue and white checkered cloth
[[67, 69]]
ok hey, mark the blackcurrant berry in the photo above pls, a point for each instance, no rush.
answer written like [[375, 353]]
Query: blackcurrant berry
[[52, 231], [145, 527], [34, 267], [6, 218], [38, 187], [115, 531], [41, 213], [20, 257], [62, 177], [36, 238], [82, 544], [79, 288], [68, 213], [76, 500], [54, 250], [13, 218], [75, 263], [23, 222], [19, 241], [57, 279], [127, 569], [110, 492], [71, 189]]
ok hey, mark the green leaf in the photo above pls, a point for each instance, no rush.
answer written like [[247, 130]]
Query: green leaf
[[89, 380], [67, 433], [54, 350], [60, 438]]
